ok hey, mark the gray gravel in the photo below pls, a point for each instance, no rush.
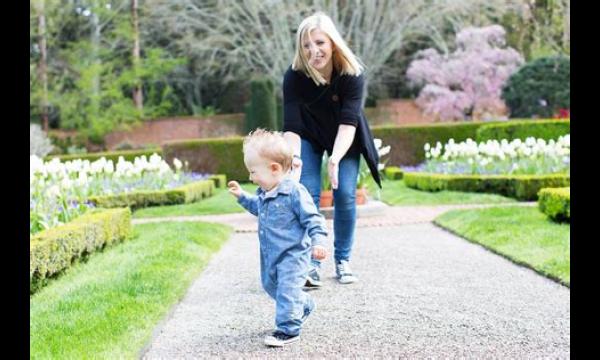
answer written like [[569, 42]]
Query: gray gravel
[[423, 293]]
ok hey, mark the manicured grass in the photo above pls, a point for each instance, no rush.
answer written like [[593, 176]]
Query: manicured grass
[[396, 193], [521, 234], [221, 202], [108, 307]]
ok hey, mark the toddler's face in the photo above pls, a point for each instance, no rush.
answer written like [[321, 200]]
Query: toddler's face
[[262, 171]]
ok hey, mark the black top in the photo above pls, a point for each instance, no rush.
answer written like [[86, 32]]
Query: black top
[[315, 112]]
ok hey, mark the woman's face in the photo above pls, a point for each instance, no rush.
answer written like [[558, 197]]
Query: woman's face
[[319, 50]]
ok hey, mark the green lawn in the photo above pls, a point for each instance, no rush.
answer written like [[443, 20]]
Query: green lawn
[[393, 193], [220, 203], [109, 306], [397, 193], [522, 234]]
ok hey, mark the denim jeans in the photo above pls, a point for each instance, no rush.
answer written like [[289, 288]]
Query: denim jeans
[[344, 197]]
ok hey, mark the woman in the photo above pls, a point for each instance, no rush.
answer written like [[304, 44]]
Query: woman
[[323, 91]]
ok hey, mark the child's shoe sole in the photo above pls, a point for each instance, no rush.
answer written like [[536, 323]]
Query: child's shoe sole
[[274, 342]]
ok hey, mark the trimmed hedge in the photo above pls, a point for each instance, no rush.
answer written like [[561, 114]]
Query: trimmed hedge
[[407, 141], [521, 187], [220, 180], [128, 155], [215, 156], [556, 203], [180, 195], [53, 250], [393, 173], [545, 129]]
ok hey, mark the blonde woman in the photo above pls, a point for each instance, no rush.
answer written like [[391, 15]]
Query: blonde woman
[[323, 93]]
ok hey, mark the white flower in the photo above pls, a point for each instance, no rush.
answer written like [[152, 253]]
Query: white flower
[[427, 147], [382, 152], [178, 163], [377, 143]]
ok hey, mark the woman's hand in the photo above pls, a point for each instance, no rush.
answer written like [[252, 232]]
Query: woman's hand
[[332, 170], [296, 168], [235, 189]]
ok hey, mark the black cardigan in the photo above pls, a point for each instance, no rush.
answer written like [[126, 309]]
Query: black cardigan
[[315, 113]]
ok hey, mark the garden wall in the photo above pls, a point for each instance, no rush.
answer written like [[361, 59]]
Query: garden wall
[[397, 112], [158, 131]]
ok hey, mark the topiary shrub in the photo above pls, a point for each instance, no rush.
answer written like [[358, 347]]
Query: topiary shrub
[[539, 88], [261, 112], [39, 143]]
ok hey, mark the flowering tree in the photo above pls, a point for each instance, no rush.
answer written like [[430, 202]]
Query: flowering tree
[[469, 80]]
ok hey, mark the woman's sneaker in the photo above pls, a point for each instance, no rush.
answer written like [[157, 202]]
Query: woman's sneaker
[[313, 279], [344, 273], [279, 339]]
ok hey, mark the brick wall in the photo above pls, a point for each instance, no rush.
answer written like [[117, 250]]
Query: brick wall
[[396, 112], [177, 128]]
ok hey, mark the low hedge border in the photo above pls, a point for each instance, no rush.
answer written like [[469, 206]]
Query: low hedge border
[[220, 180], [52, 251], [521, 187], [180, 195], [546, 129], [555, 203], [128, 155], [393, 173]]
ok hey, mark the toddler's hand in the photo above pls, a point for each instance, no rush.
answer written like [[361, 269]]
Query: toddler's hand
[[234, 188], [319, 252]]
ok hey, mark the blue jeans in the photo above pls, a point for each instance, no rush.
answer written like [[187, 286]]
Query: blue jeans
[[344, 197]]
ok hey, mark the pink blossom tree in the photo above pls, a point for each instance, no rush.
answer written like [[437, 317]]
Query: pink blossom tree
[[468, 81]]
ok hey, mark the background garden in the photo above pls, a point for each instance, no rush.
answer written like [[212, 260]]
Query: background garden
[[138, 108]]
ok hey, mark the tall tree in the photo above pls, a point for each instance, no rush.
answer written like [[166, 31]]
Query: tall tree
[[138, 99], [39, 6]]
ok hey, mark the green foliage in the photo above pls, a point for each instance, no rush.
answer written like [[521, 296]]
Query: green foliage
[[519, 233], [51, 251], [393, 173], [181, 195], [556, 203], [128, 155], [262, 110], [521, 187], [511, 130], [539, 88], [220, 180], [110, 305], [213, 156], [407, 141]]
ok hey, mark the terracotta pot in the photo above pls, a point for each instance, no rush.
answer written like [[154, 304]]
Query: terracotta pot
[[361, 196], [326, 199]]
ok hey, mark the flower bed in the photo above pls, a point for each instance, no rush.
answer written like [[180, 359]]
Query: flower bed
[[556, 203], [59, 192], [529, 157]]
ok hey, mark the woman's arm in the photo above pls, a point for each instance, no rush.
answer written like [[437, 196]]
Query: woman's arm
[[343, 141]]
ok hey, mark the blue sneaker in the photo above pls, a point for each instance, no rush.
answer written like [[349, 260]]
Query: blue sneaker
[[313, 279], [279, 339]]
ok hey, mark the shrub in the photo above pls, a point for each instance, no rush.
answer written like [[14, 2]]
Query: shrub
[[468, 81], [39, 143], [393, 173], [262, 110], [556, 203], [181, 195], [52, 251], [539, 88], [128, 155], [521, 187], [522, 129]]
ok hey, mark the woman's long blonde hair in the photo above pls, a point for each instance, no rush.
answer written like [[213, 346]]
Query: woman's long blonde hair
[[344, 60]]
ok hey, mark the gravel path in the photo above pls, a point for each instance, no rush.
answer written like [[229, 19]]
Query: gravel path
[[423, 293]]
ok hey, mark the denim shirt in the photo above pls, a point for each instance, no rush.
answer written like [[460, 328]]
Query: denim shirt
[[289, 224]]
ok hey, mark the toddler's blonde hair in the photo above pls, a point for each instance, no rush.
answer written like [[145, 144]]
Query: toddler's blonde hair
[[270, 145]]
